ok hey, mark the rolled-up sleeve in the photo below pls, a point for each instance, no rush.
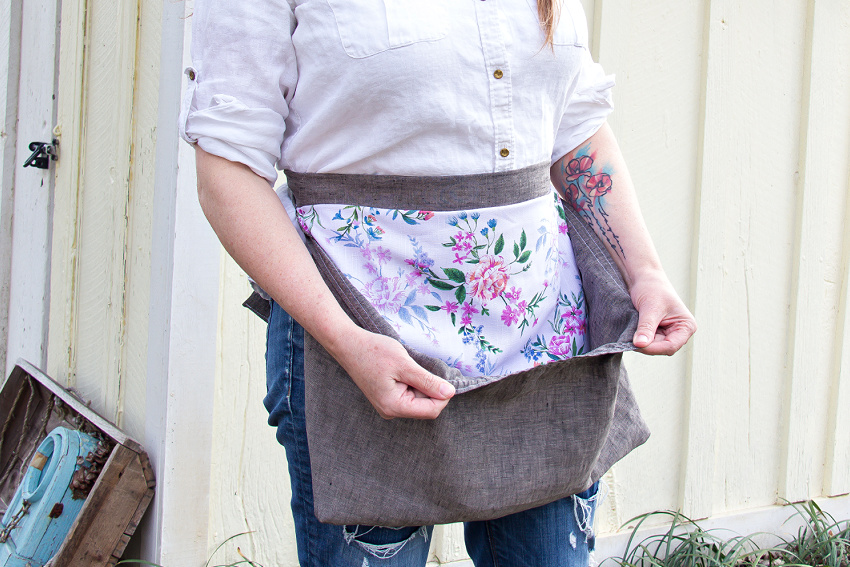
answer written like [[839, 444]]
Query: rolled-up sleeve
[[242, 77], [586, 109]]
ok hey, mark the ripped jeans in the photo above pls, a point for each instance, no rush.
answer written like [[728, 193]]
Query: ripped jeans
[[559, 534]]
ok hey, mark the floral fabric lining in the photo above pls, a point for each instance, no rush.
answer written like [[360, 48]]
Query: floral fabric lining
[[490, 291]]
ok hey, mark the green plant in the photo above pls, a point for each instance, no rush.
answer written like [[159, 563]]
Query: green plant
[[686, 544], [243, 561], [822, 540]]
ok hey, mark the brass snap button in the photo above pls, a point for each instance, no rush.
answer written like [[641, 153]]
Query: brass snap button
[[505, 152], [498, 74]]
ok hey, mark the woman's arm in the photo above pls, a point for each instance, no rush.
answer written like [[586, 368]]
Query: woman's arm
[[254, 228], [594, 180]]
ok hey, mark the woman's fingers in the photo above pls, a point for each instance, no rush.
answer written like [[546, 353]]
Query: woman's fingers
[[392, 381], [664, 323]]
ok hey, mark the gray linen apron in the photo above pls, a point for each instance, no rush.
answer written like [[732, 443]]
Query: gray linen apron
[[504, 443]]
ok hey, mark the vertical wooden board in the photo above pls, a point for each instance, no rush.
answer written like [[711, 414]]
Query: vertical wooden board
[[104, 205], [249, 488], [138, 274], [448, 543], [69, 133], [742, 255], [821, 227], [10, 57], [654, 50], [182, 326], [30, 266], [837, 474]]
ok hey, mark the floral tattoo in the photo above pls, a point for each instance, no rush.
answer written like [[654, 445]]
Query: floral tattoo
[[586, 186]]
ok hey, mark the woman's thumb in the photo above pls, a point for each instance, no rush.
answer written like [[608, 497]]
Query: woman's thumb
[[429, 384], [648, 321]]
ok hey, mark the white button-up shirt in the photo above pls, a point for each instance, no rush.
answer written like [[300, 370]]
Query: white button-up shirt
[[404, 87]]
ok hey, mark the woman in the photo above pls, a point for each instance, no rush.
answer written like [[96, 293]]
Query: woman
[[413, 88]]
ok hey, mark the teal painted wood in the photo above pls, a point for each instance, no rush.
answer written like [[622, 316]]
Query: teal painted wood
[[44, 492]]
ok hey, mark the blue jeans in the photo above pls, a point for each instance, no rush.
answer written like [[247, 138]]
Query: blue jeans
[[558, 534]]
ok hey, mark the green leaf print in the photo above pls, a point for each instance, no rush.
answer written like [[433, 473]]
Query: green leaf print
[[455, 275], [441, 285], [522, 241], [500, 245], [432, 307], [460, 294], [525, 256]]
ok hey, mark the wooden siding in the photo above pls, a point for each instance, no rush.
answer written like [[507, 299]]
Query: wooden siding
[[735, 121], [108, 84], [734, 118]]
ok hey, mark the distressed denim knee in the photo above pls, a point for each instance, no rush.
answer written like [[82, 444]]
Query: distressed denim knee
[[386, 547], [584, 509]]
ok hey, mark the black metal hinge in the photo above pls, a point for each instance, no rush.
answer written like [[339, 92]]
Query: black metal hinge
[[42, 154]]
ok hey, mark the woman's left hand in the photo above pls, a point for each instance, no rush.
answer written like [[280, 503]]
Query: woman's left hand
[[664, 323]]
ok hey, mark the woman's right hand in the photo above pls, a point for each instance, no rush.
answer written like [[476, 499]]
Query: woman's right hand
[[393, 382]]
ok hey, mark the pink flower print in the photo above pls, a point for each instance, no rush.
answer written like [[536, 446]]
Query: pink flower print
[[366, 252], [370, 219], [411, 278], [521, 306], [560, 345], [450, 307], [578, 167], [469, 309], [466, 320], [384, 255], [424, 215], [572, 313], [514, 294], [562, 228], [423, 289], [419, 269], [371, 268], [510, 316], [489, 278], [571, 327], [386, 294], [598, 185]]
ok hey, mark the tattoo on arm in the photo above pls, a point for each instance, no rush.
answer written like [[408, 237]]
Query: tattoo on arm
[[585, 186]]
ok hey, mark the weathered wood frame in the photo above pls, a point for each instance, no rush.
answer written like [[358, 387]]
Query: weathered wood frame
[[119, 497]]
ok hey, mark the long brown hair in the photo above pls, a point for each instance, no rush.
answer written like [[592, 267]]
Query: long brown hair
[[548, 11]]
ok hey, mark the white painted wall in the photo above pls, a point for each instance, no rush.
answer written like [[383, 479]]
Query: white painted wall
[[10, 58], [734, 121], [29, 288]]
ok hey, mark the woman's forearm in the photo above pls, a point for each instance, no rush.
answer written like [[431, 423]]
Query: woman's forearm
[[254, 228], [594, 181]]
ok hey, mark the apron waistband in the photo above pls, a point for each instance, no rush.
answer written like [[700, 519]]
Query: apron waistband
[[435, 193]]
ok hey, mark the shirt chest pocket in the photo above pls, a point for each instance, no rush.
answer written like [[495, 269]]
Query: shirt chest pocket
[[572, 25], [368, 27]]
